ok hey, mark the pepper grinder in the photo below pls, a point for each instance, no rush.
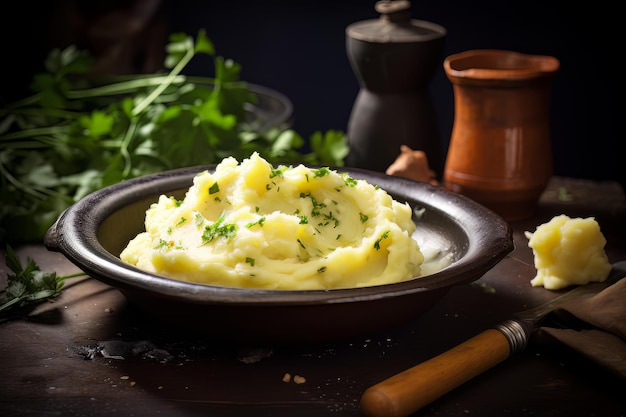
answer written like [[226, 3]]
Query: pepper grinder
[[394, 58]]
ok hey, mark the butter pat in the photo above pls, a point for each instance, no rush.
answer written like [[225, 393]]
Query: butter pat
[[568, 251]]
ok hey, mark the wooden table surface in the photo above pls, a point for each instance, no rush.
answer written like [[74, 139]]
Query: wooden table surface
[[90, 353]]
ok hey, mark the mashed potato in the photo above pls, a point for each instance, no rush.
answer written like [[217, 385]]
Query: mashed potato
[[254, 225], [568, 252]]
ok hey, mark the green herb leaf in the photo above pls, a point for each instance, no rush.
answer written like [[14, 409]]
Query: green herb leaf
[[27, 286], [218, 229], [330, 147], [383, 235], [204, 44]]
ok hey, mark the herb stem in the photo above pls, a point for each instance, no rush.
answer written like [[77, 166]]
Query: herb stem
[[29, 190], [128, 138], [27, 101], [166, 83], [42, 111], [75, 275], [9, 303], [40, 143], [33, 132], [121, 87]]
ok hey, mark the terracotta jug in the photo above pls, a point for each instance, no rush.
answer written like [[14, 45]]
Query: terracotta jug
[[393, 57], [500, 151]]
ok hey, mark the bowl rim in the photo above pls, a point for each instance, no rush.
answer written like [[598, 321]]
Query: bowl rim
[[284, 118], [74, 234]]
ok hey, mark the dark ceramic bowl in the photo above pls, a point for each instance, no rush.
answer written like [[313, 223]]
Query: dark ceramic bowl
[[93, 232]]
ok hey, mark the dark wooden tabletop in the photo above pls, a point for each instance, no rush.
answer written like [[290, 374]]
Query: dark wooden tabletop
[[90, 353]]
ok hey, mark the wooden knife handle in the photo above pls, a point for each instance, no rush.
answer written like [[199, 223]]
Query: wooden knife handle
[[410, 390]]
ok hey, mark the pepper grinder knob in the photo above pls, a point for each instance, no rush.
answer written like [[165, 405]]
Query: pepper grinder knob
[[394, 11]]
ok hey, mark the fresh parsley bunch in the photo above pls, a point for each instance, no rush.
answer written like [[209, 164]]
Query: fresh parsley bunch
[[27, 286], [79, 133]]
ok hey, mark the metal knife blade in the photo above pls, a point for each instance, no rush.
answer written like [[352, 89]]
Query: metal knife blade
[[520, 327], [412, 389]]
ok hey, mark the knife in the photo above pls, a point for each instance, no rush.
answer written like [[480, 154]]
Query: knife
[[407, 392]]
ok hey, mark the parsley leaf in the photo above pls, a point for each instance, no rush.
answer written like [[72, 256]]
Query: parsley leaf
[[28, 286], [383, 235], [218, 229]]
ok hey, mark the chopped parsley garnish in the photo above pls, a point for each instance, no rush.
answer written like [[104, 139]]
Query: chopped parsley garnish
[[177, 203], [250, 261], [335, 221], [182, 220], [363, 217], [199, 220], [384, 235], [322, 269], [316, 211], [162, 244], [259, 222], [217, 229], [328, 218], [168, 244], [277, 172], [215, 188], [316, 207], [350, 182], [321, 172]]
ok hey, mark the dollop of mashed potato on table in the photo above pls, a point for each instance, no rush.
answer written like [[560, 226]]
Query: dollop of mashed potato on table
[[568, 251], [254, 225]]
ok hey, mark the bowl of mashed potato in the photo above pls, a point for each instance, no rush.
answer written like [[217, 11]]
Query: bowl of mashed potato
[[250, 251]]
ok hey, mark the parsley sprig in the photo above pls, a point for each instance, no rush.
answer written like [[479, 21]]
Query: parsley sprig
[[28, 286], [218, 229], [78, 133]]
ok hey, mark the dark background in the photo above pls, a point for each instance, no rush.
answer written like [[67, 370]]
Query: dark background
[[298, 48]]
